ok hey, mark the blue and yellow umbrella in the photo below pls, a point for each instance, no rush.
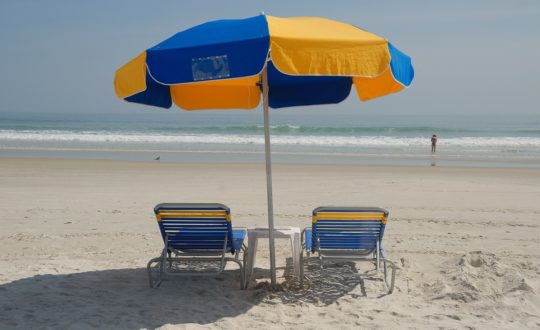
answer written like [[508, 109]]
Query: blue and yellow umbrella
[[298, 61]]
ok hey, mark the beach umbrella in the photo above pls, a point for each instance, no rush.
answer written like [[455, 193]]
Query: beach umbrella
[[232, 64]]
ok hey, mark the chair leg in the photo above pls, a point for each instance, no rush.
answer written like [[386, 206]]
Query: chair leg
[[148, 268], [378, 258], [242, 271], [385, 270], [162, 260], [393, 278]]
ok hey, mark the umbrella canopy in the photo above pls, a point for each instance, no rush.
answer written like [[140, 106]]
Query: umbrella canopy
[[297, 61], [311, 60]]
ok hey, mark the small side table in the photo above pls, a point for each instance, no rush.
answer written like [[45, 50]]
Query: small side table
[[292, 233]]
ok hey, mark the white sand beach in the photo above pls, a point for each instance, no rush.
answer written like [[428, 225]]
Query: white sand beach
[[75, 237]]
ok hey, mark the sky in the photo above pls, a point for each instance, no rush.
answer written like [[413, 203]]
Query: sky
[[470, 57]]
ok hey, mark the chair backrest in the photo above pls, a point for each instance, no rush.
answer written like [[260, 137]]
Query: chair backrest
[[348, 228], [195, 226]]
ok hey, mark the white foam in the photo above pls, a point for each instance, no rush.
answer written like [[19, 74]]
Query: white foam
[[240, 139]]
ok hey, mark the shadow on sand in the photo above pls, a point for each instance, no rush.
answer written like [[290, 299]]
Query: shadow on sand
[[324, 287], [121, 298]]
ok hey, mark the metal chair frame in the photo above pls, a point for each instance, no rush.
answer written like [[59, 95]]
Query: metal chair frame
[[375, 255], [194, 256]]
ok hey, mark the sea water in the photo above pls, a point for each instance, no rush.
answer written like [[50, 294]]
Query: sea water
[[301, 137]]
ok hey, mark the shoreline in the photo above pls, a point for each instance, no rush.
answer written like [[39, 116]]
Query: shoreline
[[278, 157], [256, 164]]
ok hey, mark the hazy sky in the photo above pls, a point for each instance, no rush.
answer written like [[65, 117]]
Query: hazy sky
[[470, 57]]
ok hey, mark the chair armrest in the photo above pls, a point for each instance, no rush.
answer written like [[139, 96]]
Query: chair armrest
[[304, 239], [304, 232], [239, 235]]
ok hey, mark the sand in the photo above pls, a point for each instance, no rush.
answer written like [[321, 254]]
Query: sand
[[75, 237]]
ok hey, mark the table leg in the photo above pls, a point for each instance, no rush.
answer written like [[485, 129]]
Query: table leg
[[297, 250], [252, 254]]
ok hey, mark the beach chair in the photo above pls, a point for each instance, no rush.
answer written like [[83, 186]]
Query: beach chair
[[198, 237], [348, 234]]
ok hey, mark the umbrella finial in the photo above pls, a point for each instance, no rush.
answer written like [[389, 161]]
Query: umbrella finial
[[262, 13]]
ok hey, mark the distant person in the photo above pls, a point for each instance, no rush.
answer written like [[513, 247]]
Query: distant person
[[433, 143]]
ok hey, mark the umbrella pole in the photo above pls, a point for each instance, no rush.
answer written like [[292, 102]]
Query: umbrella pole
[[269, 176]]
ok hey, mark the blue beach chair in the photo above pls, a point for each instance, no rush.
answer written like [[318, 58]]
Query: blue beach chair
[[197, 237], [349, 234]]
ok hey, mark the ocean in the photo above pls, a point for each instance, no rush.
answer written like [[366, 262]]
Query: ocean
[[298, 137]]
